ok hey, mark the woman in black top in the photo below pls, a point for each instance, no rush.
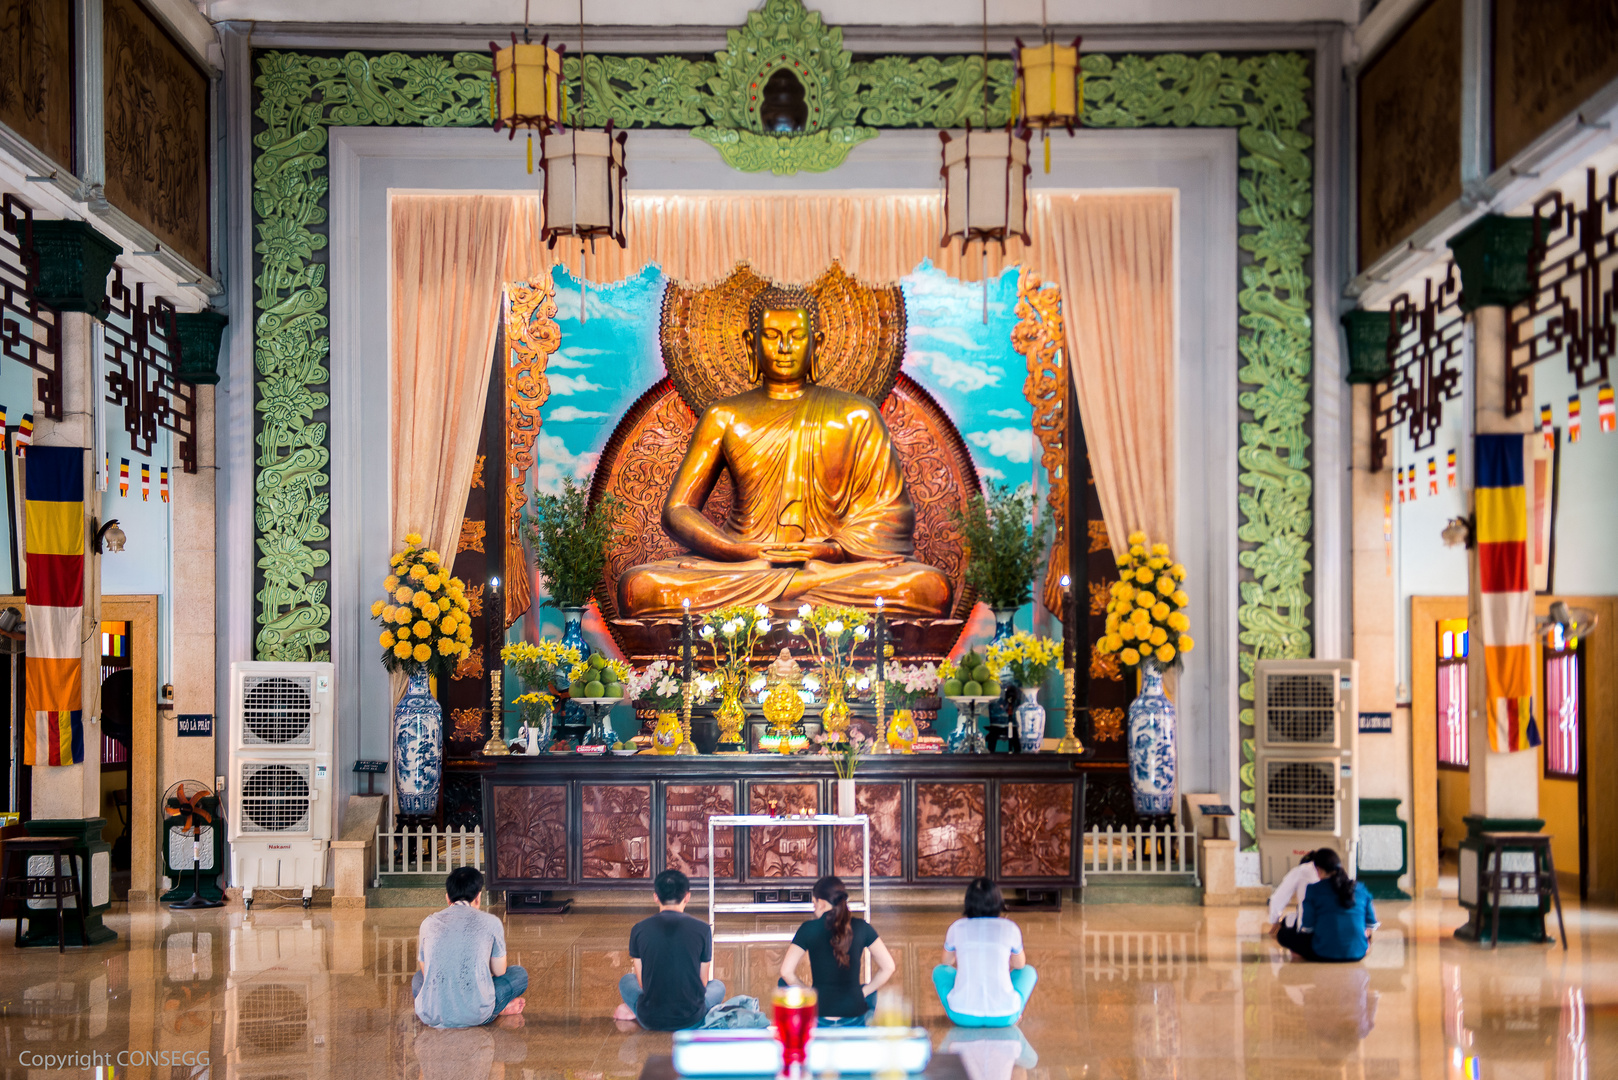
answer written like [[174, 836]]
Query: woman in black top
[[833, 940]]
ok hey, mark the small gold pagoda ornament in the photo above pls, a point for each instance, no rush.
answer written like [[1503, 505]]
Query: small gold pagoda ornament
[[496, 746], [783, 708]]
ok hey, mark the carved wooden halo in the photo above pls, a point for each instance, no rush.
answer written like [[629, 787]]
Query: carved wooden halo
[[862, 347]]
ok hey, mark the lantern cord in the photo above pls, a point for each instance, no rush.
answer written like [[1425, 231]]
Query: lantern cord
[[985, 69], [525, 37], [575, 157], [983, 272]]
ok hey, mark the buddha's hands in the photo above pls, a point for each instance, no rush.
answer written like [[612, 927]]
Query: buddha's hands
[[792, 554]]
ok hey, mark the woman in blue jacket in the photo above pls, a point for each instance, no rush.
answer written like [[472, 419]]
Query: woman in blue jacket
[[1337, 919]]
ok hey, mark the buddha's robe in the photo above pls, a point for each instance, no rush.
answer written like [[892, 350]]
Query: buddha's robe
[[819, 467]]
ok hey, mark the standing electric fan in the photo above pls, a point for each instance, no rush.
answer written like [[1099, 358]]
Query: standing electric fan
[[190, 810]]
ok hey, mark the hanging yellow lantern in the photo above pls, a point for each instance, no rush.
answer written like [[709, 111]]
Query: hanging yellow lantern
[[1050, 89], [527, 86]]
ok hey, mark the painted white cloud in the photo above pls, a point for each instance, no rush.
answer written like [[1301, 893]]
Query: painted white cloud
[[1013, 444], [568, 358], [567, 307], [989, 472], [953, 374], [950, 335], [556, 461], [567, 385], [569, 413], [1006, 414]]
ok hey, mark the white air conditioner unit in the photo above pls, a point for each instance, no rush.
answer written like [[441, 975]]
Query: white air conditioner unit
[[281, 780], [1305, 732]]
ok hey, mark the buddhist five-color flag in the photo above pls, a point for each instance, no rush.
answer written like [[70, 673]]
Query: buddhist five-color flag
[[1573, 423], [1604, 408], [1399, 482], [145, 481], [1547, 427], [1410, 482], [53, 722], [163, 483], [1507, 599], [2, 427], [1432, 476], [123, 476], [25, 433], [1449, 470]]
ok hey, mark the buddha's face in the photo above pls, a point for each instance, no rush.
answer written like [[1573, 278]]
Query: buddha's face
[[784, 344]]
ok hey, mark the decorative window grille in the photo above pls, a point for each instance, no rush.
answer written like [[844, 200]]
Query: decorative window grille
[[1453, 727], [1425, 352], [30, 332], [143, 358], [1564, 714]]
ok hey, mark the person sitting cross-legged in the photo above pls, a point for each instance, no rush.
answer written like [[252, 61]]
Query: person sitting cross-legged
[[985, 979], [833, 942], [462, 979], [1337, 920], [672, 987]]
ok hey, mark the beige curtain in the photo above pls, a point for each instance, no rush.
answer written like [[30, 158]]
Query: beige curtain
[[1112, 255]]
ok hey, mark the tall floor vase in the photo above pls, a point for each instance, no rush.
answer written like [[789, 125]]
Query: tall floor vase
[[418, 747], [1152, 756]]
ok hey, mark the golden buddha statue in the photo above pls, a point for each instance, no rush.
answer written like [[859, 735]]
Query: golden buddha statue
[[821, 514]]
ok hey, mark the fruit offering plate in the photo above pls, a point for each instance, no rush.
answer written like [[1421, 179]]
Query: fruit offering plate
[[960, 699], [596, 700], [631, 752]]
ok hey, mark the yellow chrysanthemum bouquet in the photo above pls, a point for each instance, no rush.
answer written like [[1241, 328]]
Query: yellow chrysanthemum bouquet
[[1028, 658], [424, 614], [1146, 617]]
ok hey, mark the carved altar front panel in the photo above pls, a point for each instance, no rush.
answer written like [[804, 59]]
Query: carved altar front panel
[[530, 823], [783, 851], [686, 810], [885, 804], [1036, 830], [617, 821], [157, 130], [951, 827]]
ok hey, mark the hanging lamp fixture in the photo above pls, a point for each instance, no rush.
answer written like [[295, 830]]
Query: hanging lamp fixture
[[526, 91], [1050, 85], [582, 192], [985, 176]]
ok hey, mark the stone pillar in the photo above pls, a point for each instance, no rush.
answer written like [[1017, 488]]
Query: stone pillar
[[192, 668], [1492, 255], [67, 798]]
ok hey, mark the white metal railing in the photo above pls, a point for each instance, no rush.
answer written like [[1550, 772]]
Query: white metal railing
[[1164, 849], [426, 851]]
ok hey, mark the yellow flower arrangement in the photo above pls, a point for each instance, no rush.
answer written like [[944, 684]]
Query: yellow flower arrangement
[[417, 592], [1146, 617], [540, 664], [1028, 659]]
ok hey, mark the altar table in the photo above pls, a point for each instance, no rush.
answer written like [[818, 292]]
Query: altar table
[[556, 821]]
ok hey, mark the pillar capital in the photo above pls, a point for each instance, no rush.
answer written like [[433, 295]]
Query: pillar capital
[[1492, 256], [1367, 344]]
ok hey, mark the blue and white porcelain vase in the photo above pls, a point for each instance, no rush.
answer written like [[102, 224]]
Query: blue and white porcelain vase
[[1030, 721], [1152, 756], [1004, 624], [573, 631], [418, 746]]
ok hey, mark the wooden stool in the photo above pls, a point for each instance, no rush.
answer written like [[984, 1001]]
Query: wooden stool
[[1539, 882], [19, 887]]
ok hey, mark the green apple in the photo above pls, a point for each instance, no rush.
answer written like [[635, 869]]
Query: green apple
[[981, 673], [594, 689], [973, 689], [614, 689], [991, 688], [952, 688], [576, 689], [597, 661]]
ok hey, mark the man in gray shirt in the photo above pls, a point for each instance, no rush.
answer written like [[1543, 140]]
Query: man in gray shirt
[[461, 975]]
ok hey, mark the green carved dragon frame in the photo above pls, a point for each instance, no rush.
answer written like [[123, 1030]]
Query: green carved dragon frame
[[1265, 97]]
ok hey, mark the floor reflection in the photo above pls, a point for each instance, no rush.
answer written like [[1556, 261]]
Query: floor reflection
[[991, 1053]]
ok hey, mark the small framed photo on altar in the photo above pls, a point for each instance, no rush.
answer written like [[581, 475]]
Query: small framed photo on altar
[[1545, 465]]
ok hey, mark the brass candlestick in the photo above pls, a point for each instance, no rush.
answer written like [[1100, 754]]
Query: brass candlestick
[[496, 746], [881, 746], [686, 745], [1069, 742]]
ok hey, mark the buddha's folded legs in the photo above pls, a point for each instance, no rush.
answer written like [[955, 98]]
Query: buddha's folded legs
[[657, 590]]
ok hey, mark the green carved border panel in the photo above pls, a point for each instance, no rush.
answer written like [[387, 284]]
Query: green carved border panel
[[1265, 97]]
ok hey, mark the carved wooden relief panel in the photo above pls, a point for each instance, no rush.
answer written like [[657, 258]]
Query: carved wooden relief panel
[[686, 810], [157, 130], [783, 851], [1410, 130], [617, 820], [36, 74], [530, 824], [951, 827], [1036, 830], [885, 804], [1549, 56]]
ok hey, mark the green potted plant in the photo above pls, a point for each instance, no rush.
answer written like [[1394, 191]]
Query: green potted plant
[[1004, 546], [569, 538]]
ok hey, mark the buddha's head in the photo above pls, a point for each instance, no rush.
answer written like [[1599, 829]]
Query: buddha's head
[[783, 331]]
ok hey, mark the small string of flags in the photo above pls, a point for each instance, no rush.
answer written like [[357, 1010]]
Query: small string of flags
[[123, 477], [1449, 468], [25, 434], [22, 436], [1606, 416], [163, 482], [145, 482], [1574, 425], [1605, 408], [1432, 476]]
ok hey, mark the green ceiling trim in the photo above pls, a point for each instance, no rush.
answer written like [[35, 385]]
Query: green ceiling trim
[[1265, 97]]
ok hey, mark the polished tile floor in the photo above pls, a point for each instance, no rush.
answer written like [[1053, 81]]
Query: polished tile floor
[[1124, 991]]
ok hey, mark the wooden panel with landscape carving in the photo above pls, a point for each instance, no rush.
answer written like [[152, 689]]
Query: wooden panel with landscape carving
[[1036, 830], [36, 74], [617, 821], [530, 830], [156, 130], [951, 829], [1549, 56], [885, 804], [783, 851], [686, 810]]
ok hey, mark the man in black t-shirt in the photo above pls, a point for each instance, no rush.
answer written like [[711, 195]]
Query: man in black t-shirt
[[672, 986]]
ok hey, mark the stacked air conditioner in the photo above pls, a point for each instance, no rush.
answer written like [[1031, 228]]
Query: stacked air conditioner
[[1306, 726], [281, 736]]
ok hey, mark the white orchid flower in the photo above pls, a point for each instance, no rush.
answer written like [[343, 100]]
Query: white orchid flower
[[731, 627], [861, 633], [757, 683], [864, 684], [763, 626], [761, 611], [795, 626], [834, 627], [805, 611], [707, 631], [812, 682]]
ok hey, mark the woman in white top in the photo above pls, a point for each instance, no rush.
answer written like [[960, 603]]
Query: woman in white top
[[1290, 892], [985, 979]]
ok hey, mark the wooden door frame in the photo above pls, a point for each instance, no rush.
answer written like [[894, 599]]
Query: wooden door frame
[[1425, 614]]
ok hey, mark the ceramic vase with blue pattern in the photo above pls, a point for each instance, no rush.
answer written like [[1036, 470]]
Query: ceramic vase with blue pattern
[[1030, 722], [418, 746], [1152, 758], [573, 631]]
